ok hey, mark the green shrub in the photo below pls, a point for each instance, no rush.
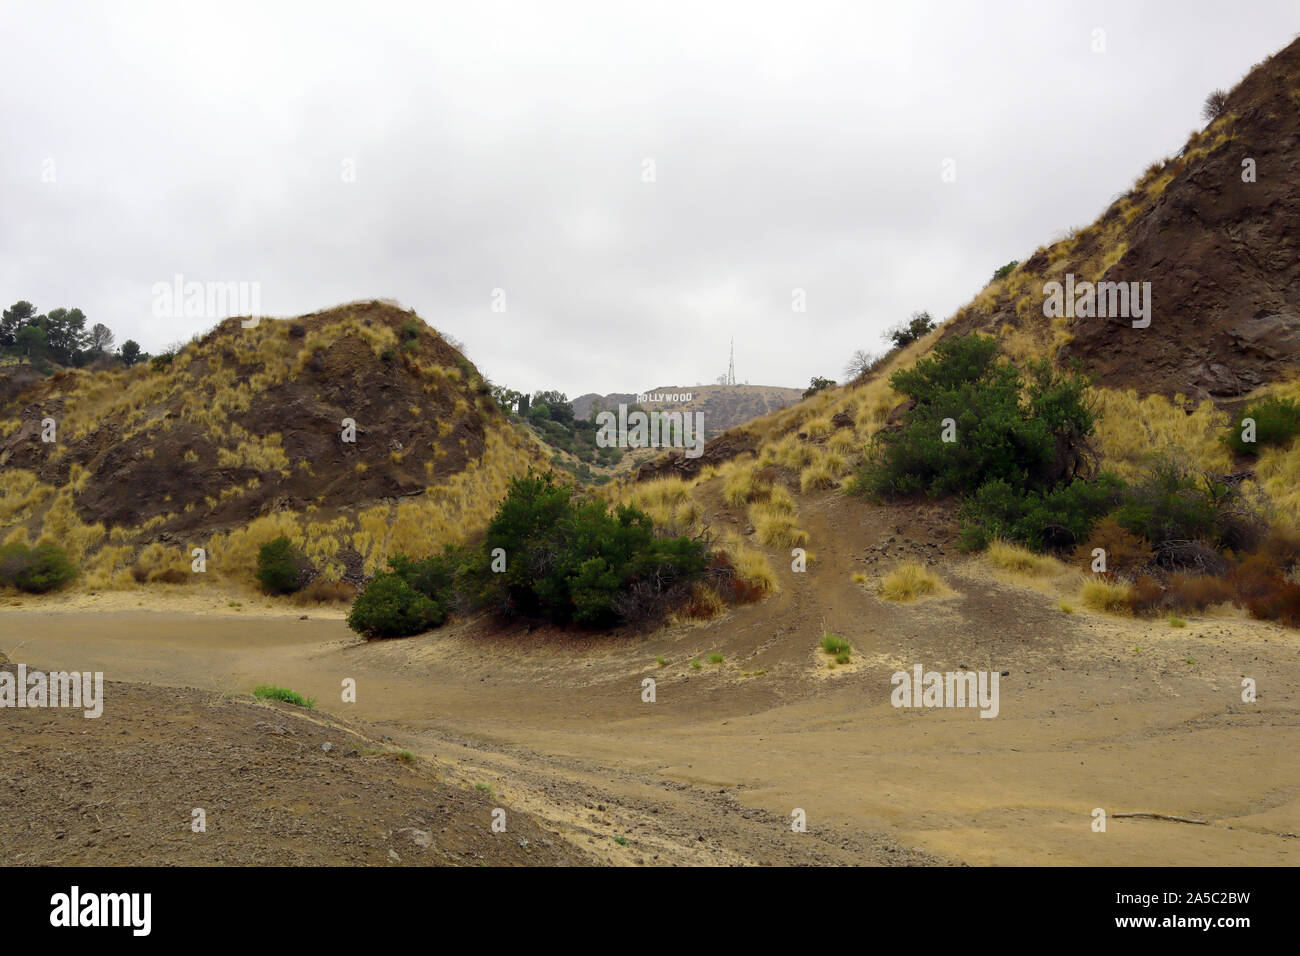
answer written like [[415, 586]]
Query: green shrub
[[389, 607], [434, 576], [1006, 270], [35, 570], [817, 384], [565, 560], [280, 566], [1030, 434], [1056, 519], [1170, 504], [164, 358], [905, 333], [270, 692], [1277, 421], [834, 644], [574, 561]]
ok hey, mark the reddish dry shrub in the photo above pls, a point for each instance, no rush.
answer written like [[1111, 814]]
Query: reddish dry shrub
[[1281, 546], [701, 604], [728, 583], [321, 591], [1196, 592], [1256, 576], [1125, 551], [1262, 586], [1282, 604], [1146, 596]]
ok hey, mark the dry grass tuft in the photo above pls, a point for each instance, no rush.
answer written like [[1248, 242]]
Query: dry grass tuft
[[908, 582], [1110, 597], [1021, 561]]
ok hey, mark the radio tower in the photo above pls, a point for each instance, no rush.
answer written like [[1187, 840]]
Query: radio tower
[[731, 368]]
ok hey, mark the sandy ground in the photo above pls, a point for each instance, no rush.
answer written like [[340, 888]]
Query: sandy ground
[[176, 776], [1095, 712]]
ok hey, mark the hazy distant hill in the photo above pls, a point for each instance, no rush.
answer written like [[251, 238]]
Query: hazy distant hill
[[723, 406]]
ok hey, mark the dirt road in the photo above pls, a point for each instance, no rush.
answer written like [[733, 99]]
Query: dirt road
[[1095, 712]]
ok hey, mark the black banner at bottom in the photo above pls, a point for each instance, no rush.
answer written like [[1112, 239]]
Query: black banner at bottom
[[333, 906]]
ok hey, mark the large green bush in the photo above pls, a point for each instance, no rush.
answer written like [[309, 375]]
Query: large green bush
[[435, 576], [280, 566], [1029, 433], [1166, 505], [1170, 503], [35, 570], [389, 607], [545, 555], [1277, 421], [575, 561], [1058, 519]]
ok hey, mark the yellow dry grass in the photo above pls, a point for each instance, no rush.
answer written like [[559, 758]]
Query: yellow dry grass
[[823, 472], [21, 492], [1277, 471], [62, 527], [908, 582], [1021, 561], [1110, 597], [738, 482], [752, 565], [1131, 429], [668, 501], [110, 569], [779, 531]]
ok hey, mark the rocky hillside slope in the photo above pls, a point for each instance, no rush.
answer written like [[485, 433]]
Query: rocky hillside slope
[[349, 430], [1222, 256], [1215, 230]]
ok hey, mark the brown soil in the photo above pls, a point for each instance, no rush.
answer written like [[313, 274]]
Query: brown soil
[[278, 785], [1127, 715], [161, 470]]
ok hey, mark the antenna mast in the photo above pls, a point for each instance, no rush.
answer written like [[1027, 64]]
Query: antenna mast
[[731, 369]]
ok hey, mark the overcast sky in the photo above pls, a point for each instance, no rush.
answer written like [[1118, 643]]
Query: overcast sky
[[643, 180]]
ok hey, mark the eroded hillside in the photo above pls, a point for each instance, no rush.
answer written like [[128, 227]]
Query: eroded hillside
[[353, 431], [1214, 232], [1220, 254]]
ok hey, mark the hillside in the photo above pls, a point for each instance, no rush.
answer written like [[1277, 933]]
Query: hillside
[[243, 435], [1225, 328], [1216, 239], [257, 765], [705, 709]]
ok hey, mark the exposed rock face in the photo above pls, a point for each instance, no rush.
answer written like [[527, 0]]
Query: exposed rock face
[[842, 420], [1223, 259], [177, 453], [1221, 254], [723, 448]]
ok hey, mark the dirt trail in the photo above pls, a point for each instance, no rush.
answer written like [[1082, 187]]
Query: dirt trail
[[1095, 712]]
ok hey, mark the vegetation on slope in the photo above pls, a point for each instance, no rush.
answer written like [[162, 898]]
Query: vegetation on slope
[[547, 554], [244, 437]]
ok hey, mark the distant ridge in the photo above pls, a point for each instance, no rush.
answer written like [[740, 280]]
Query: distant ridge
[[723, 406]]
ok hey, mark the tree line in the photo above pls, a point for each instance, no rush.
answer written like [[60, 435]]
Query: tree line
[[60, 336], [552, 416]]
